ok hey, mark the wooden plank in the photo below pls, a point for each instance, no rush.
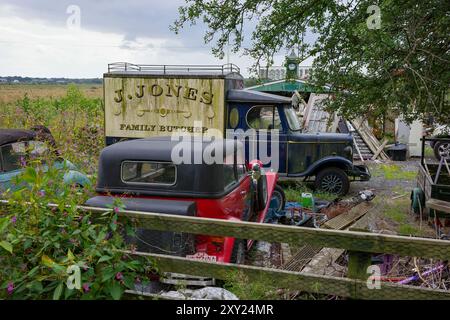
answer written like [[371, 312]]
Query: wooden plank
[[277, 278], [356, 241], [368, 137], [357, 149], [320, 263], [438, 205], [301, 258], [322, 259], [350, 240], [380, 149], [345, 219]]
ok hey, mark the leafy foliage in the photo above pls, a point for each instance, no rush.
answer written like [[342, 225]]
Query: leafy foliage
[[400, 67], [38, 243]]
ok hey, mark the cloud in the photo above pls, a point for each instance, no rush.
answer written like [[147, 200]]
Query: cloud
[[35, 39]]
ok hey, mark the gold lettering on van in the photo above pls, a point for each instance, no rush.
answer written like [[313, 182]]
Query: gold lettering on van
[[169, 90]]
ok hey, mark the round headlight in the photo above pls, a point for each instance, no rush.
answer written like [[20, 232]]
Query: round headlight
[[349, 151]]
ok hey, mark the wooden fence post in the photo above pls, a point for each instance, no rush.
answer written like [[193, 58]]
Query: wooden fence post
[[358, 262]]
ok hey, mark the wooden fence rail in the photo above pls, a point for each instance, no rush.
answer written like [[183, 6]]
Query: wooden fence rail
[[359, 244]]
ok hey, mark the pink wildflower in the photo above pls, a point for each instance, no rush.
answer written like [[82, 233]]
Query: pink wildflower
[[86, 288], [10, 288], [119, 276]]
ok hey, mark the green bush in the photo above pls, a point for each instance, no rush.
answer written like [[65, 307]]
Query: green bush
[[39, 243]]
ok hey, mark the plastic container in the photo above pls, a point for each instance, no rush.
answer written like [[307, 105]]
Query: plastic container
[[397, 152], [307, 200]]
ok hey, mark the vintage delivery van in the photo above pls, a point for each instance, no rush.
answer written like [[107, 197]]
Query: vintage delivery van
[[159, 100]]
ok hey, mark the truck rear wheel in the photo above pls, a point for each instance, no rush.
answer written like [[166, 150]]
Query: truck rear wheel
[[332, 180]]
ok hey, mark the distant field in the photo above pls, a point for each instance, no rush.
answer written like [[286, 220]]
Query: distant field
[[13, 92], [73, 113]]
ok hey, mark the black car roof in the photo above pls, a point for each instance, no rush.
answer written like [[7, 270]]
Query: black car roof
[[158, 148], [14, 135], [192, 180]]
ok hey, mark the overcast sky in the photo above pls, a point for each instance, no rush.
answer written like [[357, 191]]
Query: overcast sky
[[35, 39]]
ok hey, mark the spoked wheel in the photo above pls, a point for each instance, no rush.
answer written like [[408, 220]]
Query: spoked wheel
[[332, 180], [280, 197], [441, 149]]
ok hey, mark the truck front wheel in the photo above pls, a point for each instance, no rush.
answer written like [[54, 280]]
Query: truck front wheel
[[332, 180]]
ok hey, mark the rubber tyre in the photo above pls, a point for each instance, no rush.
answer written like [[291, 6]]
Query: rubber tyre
[[239, 252], [440, 144], [336, 178], [261, 193], [278, 193]]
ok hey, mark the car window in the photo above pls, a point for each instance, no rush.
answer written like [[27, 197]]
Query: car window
[[292, 119], [148, 172], [229, 174], [13, 156], [263, 118], [229, 177], [241, 171], [37, 149]]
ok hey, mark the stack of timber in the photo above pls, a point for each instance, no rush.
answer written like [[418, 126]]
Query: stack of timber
[[372, 143], [361, 150], [313, 259]]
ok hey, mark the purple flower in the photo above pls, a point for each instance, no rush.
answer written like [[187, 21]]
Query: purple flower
[[14, 220], [119, 276], [41, 193], [116, 209], [10, 288], [23, 163], [86, 288]]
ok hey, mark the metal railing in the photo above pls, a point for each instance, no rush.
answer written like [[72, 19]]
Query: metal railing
[[225, 69]]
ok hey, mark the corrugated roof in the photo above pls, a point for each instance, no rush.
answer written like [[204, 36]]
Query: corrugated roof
[[255, 96]]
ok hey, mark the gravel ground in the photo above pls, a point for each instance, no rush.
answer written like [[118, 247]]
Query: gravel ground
[[383, 186], [392, 182]]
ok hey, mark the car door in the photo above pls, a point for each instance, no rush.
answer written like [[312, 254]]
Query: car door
[[237, 202], [264, 119], [12, 161]]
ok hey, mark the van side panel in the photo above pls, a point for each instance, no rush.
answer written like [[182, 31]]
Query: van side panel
[[145, 106]]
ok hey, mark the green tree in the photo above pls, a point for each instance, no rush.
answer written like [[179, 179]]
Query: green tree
[[392, 57]]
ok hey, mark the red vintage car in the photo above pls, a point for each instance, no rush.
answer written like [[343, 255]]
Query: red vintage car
[[143, 172]]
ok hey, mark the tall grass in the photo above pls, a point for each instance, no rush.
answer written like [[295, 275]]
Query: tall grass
[[75, 120]]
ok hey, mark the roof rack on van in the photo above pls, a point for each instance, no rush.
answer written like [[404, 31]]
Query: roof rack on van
[[125, 67]]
